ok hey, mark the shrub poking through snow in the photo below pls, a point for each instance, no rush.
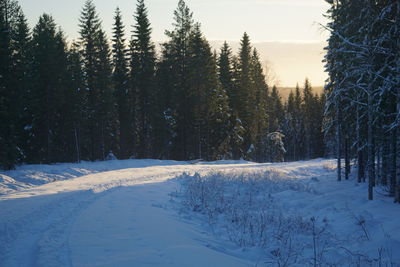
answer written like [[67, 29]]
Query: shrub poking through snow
[[241, 208], [244, 208]]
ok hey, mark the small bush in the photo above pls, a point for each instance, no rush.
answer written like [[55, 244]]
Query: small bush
[[240, 207]]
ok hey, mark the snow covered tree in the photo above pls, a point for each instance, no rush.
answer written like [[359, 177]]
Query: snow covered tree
[[361, 62], [275, 147]]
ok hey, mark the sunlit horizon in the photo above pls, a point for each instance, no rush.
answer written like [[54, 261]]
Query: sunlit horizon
[[280, 22]]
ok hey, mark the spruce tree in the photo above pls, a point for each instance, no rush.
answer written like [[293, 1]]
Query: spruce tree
[[75, 101], [105, 113], [308, 105], [226, 74], [238, 130], [173, 72], [259, 102], [276, 111], [289, 128], [48, 82], [143, 61], [361, 63], [100, 125], [65, 138], [89, 29], [318, 140], [9, 14], [245, 96], [121, 87], [22, 60], [209, 106], [299, 124]]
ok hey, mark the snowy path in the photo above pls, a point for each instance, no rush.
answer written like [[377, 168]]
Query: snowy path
[[130, 227], [85, 220], [125, 218]]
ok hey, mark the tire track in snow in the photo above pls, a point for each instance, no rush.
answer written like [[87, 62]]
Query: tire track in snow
[[35, 224]]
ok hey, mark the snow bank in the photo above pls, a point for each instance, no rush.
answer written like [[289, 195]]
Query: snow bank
[[297, 216], [26, 176], [243, 214]]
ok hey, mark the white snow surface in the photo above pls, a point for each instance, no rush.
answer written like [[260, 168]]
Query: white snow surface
[[125, 213]]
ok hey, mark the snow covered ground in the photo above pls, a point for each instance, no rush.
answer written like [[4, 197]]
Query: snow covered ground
[[135, 213]]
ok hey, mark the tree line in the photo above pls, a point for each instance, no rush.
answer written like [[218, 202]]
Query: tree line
[[67, 102], [363, 93]]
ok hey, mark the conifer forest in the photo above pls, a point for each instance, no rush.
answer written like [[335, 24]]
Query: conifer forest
[[126, 96], [362, 113]]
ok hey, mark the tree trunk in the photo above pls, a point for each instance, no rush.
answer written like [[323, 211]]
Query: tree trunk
[[370, 148], [385, 158], [397, 199], [393, 157], [338, 141], [360, 150], [347, 158], [378, 165], [103, 151], [78, 156]]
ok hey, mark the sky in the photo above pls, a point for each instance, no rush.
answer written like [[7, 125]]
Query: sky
[[269, 22]]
